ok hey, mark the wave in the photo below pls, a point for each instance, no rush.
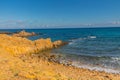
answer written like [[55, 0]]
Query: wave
[[115, 58], [91, 53], [80, 39], [107, 65], [96, 68], [92, 37]]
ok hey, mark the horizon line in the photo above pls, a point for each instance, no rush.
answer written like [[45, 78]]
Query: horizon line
[[62, 27]]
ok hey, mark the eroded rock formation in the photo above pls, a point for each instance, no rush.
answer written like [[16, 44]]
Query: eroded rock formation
[[19, 45]]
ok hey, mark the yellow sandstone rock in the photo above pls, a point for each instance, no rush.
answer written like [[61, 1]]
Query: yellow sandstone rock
[[18, 45], [23, 33], [57, 43]]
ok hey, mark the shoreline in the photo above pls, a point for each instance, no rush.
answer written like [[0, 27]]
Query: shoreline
[[80, 72], [17, 63], [69, 63]]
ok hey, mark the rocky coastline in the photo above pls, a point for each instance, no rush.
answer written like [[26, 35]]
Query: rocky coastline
[[23, 59], [19, 45], [23, 33]]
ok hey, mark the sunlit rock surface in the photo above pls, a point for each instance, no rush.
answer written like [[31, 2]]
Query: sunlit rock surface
[[18, 45], [23, 33], [59, 43]]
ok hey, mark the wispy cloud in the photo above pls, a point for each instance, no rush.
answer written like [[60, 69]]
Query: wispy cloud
[[13, 24], [36, 24]]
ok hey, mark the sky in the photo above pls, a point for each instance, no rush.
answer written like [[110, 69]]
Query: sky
[[59, 13]]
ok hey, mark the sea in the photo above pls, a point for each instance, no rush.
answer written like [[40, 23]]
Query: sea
[[90, 48]]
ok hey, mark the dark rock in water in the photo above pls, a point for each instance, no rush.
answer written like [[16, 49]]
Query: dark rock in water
[[5, 32], [52, 58], [68, 63]]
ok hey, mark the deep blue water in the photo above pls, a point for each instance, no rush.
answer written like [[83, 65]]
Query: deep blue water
[[93, 48]]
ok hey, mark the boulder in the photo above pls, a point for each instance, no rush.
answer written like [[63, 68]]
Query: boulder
[[59, 43]]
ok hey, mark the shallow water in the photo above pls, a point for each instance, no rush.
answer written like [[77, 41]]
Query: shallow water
[[92, 48]]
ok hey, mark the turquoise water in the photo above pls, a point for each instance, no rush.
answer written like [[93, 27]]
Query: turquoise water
[[92, 48]]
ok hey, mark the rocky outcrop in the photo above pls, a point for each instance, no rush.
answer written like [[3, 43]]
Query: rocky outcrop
[[59, 43], [5, 32], [23, 33], [19, 45]]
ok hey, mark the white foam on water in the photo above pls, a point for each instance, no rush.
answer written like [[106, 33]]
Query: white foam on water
[[96, 68], [75, 40], [116, 58], [92, 37]]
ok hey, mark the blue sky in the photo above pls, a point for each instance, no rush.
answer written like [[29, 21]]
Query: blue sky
[[59, 13]]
